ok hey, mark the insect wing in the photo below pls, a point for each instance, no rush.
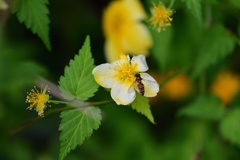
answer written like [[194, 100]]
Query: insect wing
[[150, 83], [150, 87], [134, 85]]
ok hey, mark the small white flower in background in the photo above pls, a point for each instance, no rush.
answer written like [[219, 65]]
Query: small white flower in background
[[120, 76]]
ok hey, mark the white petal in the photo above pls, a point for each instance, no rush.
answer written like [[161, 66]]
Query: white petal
[[151, 87], [121, 61], [140, 60], [104, 74], [122, 93]]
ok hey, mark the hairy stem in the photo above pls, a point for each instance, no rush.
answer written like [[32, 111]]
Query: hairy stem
[[183, 70], [171, 4], [55, 110], [202, 83]]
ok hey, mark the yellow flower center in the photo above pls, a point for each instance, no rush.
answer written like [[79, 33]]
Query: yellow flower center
[[125, 70], [161, 16], [38, 100]]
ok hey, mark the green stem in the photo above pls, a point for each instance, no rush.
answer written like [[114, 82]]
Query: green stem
[[56, 102], [55, 110], [171, 4], [208, 16], [101, 103], [184, 70], [202, 83]]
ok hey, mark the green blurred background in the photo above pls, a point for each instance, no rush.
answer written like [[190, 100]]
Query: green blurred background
[[124, 134]]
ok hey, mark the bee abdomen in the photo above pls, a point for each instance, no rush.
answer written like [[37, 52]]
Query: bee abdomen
[[141, 88]]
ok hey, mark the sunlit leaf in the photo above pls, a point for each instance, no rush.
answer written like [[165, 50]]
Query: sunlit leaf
[[140, 104], [34, 14], [76, 126], [78, 81]]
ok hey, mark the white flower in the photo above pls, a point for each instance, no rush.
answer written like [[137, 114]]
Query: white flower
[[120, 76]]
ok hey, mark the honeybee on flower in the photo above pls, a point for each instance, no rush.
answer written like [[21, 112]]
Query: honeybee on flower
[[161, 16], [38, 100], [121, 77]]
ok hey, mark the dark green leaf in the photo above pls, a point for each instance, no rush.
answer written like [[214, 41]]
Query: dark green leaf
[[205, 107], [230, 128], [76, 125], [234, 3], [196, 9], [78, 81], [34, 14], [217, 44]]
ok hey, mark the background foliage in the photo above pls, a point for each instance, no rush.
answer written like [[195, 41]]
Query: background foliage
[[39, 38]]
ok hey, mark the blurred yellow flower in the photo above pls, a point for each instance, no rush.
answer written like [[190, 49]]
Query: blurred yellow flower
[[121, 77], [3, 5], [178, 88], [38, 100], [123, 30], [161, 16], [226, 86]]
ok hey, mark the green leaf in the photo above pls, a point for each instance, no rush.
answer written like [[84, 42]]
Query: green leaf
[[78, 81], [140, 104], [76, 125], [217, 44], [162, 45], [204, 107], [34, 14], [196, 9], [230, 128]]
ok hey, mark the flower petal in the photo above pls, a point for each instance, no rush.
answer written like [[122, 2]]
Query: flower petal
[[136, 9], [136, 39], [104, 75], [140, 60], [112, 50], [151, 87], [122, 93]]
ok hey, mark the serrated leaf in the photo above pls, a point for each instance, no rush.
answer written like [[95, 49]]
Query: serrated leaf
[[216, 45], [204, 107], [78, 81], [196, 9], [76, 125], [230, 128], [161, 48], [34, 14], [140, 104]]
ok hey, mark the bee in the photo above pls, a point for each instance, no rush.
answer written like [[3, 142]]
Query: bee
[[140, 85]]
